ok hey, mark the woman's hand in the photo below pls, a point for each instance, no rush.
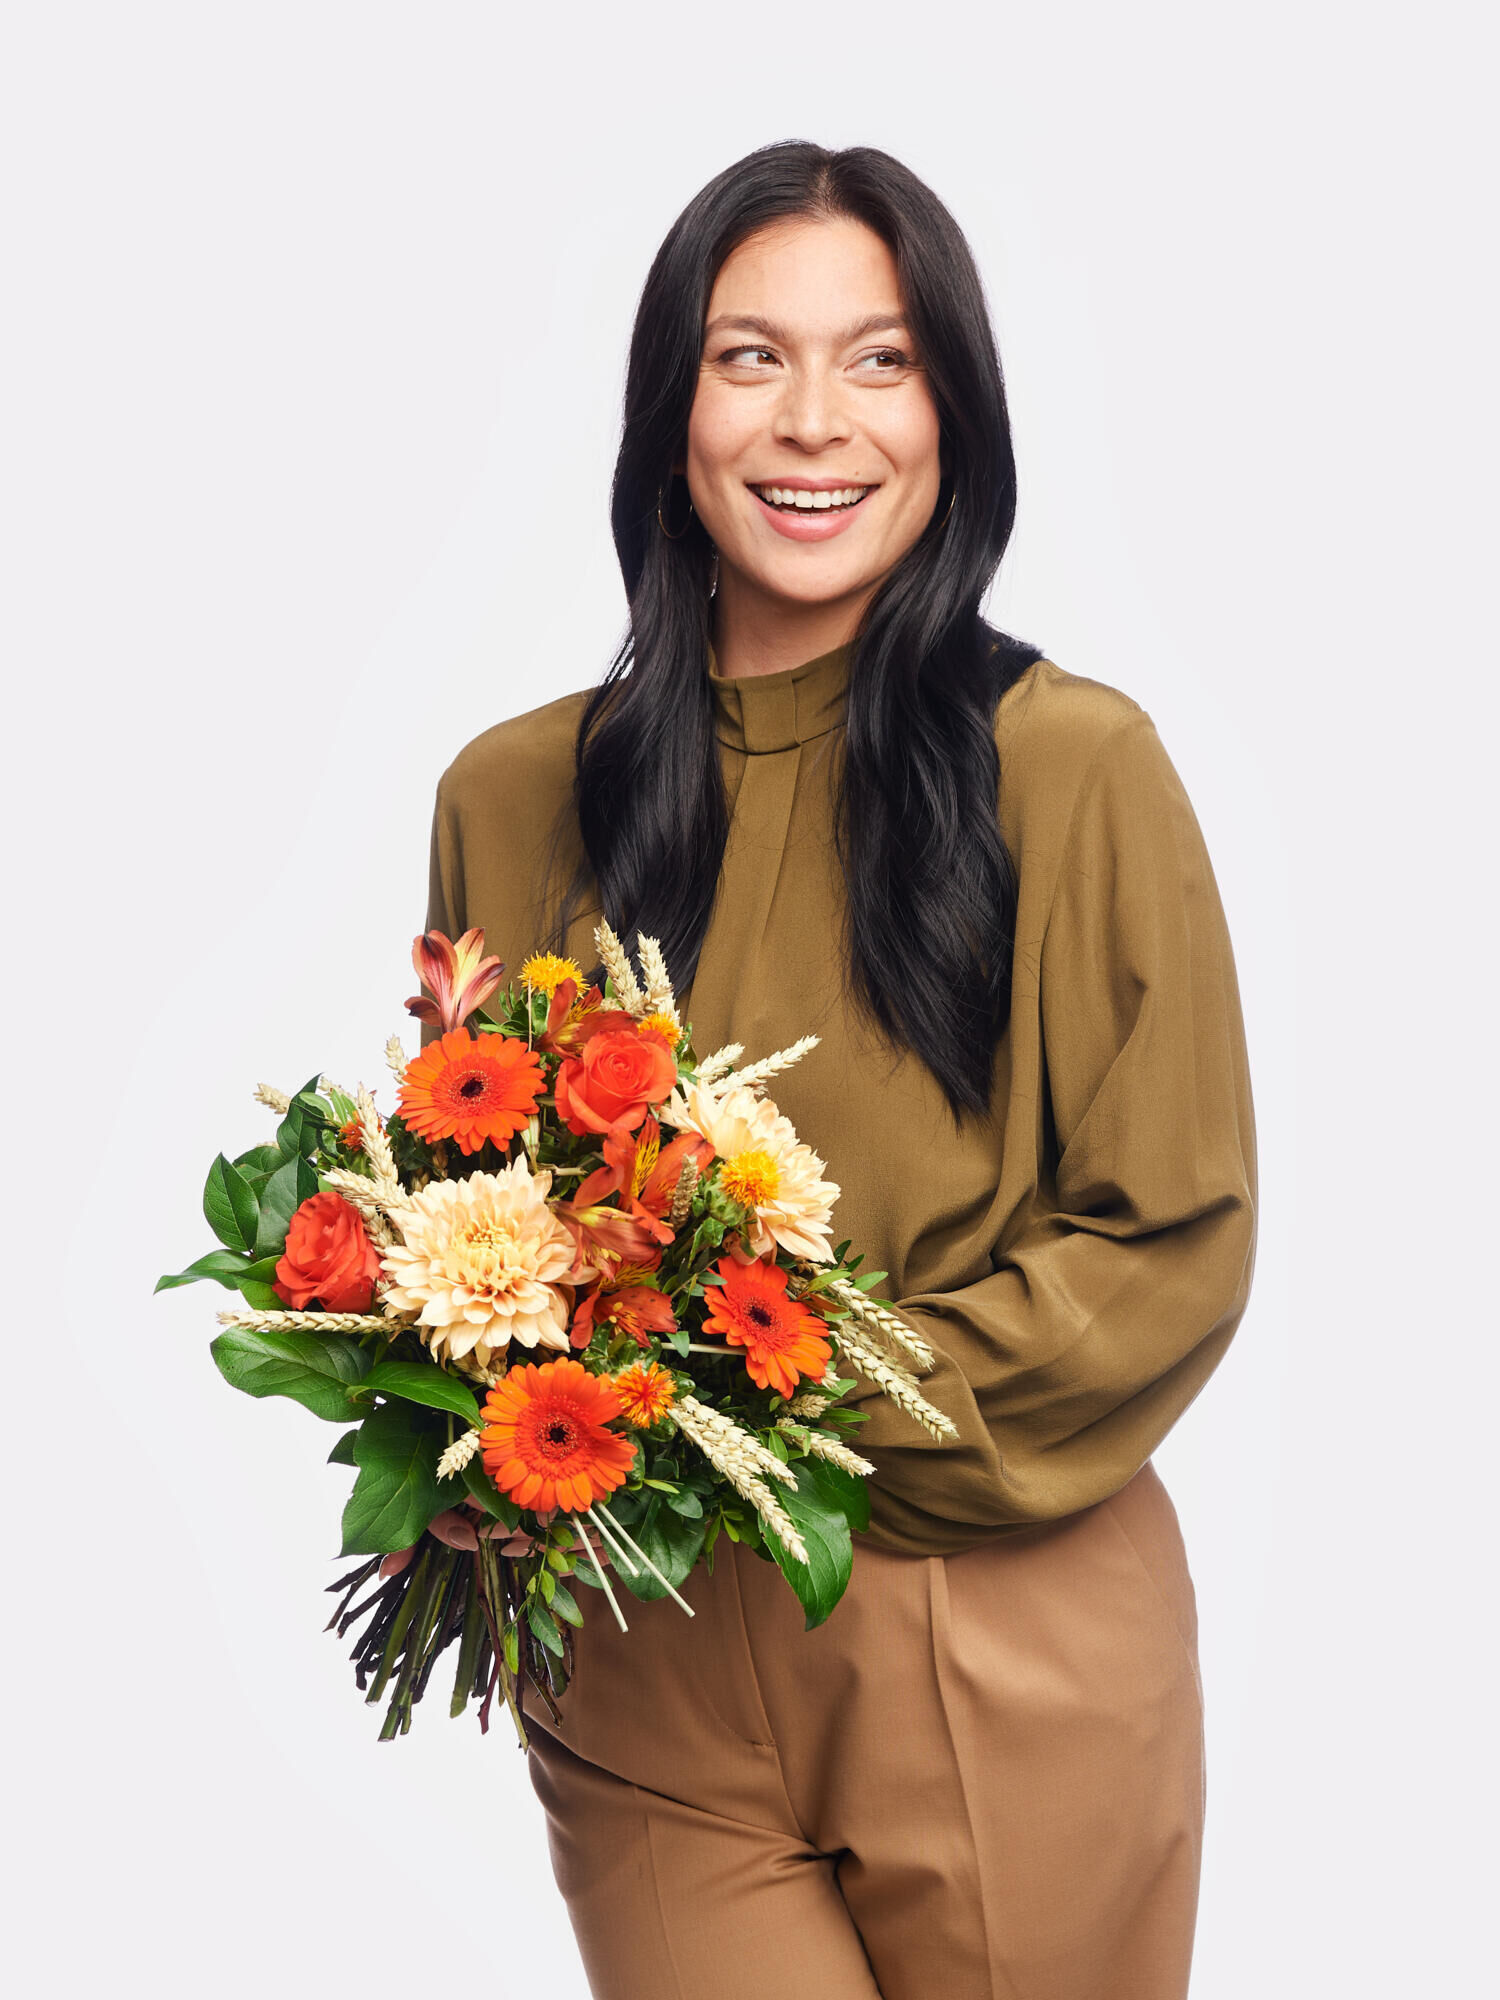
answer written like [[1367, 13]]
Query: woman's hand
[[460, 1528], [522, 1544]]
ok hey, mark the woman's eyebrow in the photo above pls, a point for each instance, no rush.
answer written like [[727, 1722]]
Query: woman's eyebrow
[[880, 322]]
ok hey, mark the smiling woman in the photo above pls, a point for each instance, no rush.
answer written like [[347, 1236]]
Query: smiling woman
[[846, 804], [835, 402]]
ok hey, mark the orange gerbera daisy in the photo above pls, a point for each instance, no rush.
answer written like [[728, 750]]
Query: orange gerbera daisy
[[545, 1441], [647, 1392], [782, 1338], [471, 1088]]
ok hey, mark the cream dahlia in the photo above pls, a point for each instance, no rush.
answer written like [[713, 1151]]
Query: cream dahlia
[[480, 1260], [762, 1164]]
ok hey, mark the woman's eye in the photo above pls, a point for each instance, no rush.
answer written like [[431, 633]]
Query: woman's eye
[[734, 354], [892, 356]]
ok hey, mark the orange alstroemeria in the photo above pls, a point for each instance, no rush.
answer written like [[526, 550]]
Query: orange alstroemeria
[[567, 1014], [601, 1233], [660, 1185], [638, 1310], [459, 977]]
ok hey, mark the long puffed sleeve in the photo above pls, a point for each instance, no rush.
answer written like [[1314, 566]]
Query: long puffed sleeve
[[1117, 1288]]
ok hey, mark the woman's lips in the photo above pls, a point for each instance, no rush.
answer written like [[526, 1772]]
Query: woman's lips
[[812, 525]]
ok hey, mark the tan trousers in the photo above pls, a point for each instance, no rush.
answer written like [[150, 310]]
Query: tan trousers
[[981, 1777]]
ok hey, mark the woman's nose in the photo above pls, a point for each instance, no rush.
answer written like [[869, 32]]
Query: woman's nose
[[810, 412]]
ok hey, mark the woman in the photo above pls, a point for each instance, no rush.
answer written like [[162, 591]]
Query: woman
[[849, 807]]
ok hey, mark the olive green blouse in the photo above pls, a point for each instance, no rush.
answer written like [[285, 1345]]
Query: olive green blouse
[[1078, 1260]]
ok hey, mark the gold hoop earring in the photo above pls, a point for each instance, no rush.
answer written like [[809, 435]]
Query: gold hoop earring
[[660, 498], [951, 498]]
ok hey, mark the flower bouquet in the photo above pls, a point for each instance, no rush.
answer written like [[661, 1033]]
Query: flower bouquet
[[540, 1318]]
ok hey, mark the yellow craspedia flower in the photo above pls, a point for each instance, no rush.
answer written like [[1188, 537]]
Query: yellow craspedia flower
[[544, 972]]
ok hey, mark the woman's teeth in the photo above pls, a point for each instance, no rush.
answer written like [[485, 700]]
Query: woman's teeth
[[799, 497]]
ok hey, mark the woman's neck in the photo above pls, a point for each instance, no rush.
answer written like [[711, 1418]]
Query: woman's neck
[[754, 634]]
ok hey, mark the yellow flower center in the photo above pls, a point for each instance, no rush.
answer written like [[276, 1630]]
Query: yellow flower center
[[750, 1177], [486, 1255], [664, 1025]]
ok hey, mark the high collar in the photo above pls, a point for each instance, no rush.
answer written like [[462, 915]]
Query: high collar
[[757, 712]]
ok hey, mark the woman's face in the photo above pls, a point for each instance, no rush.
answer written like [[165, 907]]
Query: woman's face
[[809, 385]]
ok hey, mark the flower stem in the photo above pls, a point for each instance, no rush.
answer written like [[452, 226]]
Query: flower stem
[[604, 1581], [597, 1514], [468, 1645]]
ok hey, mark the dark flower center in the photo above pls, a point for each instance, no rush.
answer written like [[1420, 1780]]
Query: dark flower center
[[472, 1086]]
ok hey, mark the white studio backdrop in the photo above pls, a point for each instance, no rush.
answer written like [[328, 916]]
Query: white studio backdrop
[[315, 341]]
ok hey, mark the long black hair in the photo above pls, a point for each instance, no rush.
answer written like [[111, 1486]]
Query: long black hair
[[929, 914]]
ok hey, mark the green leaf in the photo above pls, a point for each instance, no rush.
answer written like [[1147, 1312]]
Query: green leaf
[[261, 1297], [424, 1382], [565, 1605], [672, 1544], [819, 1507], [485, 1493], [343, 1451], [312, 1368], [225, 1267], [541, 1621], [305, 1118], [261, 1272], [284, 1193], [396, 1493], [686, 1503], [259, 1159], [229, 1204]]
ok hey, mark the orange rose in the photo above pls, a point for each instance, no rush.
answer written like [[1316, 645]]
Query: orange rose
[[329, 1257], [617, 1075]]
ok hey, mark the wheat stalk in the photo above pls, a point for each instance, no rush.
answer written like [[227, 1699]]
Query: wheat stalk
[[886, 1375], [682, 1197], [458, 1454], [874, 1314], [317, 1322], [659, 998], [377, 1148], [743, 1460], [273, 1099], [616, 963], [769, 1066], [361, 1193], [720, 1062], [821, 1445], [809, 1404]]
